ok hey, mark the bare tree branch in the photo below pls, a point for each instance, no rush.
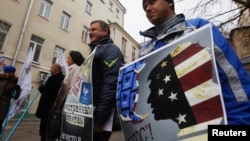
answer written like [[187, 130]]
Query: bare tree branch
[[221, 14], [246, 4], [216, 10]]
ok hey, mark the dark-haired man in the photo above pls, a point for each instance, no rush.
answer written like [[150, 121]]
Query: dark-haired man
[[105, 68]]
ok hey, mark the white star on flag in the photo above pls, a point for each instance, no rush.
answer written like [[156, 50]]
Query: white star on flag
[[160, 92], [164, 64], [167, 78], [173, 96], [181, 118]]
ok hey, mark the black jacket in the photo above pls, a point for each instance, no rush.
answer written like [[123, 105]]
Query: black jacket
[[105, 68], [49, 93]]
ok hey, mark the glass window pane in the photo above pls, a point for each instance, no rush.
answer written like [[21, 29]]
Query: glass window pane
[[37, 53]]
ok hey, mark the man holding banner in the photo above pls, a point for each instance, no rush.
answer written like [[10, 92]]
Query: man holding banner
[[234, 79], [187, 78]]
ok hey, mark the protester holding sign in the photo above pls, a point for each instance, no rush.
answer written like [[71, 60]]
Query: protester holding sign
[[105, 68], [8, 89], [234, 78]]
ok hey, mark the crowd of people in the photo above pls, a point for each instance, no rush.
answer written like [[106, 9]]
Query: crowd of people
[[105, 68], [108, 59]]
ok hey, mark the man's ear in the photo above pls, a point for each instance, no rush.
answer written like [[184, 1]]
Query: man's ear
[[105, 31], [170, 4]]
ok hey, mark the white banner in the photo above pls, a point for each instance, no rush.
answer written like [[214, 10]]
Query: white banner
[[25, 83]]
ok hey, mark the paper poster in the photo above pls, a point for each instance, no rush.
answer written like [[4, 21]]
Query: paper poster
[[78, 108], [172, 93]]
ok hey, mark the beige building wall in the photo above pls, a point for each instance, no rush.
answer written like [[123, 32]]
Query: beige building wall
[[118, 35], [16, 44]]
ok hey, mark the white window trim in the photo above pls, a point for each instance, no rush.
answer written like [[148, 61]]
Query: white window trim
[[88, 7], [47, 4], [66, 17]]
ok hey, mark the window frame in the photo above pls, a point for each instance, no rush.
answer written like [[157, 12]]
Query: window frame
[[124, 44], [45, 9], [133, 53], [111, 6], [36, 44], [117, 13], [58, 51], [4, 30], [65, 21], [88, 7], [85, 32]]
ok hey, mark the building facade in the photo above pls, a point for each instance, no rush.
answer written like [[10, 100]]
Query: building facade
[[52, 28]]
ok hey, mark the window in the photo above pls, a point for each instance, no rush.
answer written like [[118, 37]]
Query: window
[[88, 7], [65, 21], [45, 8], [4, 29], [124, 44], [117, 13], [85, 34], [57, 53], [133, 53], [111, 6], [36, 45]]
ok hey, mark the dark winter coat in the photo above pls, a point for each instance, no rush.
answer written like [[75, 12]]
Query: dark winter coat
[[105, 68], [48, 94], [7, 87]]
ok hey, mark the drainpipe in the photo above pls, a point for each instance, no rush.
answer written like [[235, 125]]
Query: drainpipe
[[22, 33]]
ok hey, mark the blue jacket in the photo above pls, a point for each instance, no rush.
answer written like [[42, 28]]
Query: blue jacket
[[234, 79]]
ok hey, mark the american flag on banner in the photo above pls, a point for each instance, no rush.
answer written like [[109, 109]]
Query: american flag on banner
[[185, 91], [172, 93], [25, 83], [181, 89]]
